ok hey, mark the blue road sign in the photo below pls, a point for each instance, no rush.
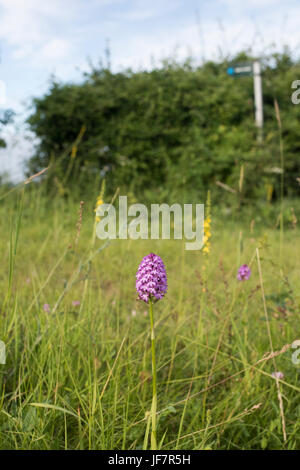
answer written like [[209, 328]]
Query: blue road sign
[[230, 71], [241, 69]]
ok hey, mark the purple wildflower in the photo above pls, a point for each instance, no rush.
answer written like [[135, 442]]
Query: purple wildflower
[[151, 278], [244, 273], [75, 303], [278, 375], [46, 308]]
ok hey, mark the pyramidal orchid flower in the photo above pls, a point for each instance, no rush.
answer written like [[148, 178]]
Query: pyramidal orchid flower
[[244, 273], [151, 278], [151, 286]]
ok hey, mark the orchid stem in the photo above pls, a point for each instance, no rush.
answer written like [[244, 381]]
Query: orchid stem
[[154, 394]]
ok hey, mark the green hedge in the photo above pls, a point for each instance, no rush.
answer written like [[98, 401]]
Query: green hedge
[[172, 127]]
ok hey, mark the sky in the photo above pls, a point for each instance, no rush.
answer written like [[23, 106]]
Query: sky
[[61, 37]]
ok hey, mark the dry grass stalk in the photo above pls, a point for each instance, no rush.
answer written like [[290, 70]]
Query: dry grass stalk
[[79, 222], [277, 113], [226, 187], [36, 175], [272, 354]]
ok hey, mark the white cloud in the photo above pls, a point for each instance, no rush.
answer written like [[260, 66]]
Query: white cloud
[[28, 26], [261, 33], [55, 49], [141, 10], [240, 7], [2, 93], [19, 148], [48, 33]]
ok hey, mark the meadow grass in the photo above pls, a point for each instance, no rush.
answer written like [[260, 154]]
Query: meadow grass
[[79, 376]]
